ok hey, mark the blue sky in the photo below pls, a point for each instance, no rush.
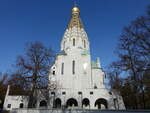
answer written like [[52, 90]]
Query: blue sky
[[23, 21]]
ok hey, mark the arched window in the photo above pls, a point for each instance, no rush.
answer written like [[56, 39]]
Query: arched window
[[9, 106], [84, 44], [116, 104], [72, 102], [53, 72], [57, 103], [74, 42], [64, 44], [101, 103], [21, 105], [73, 67], [43, 103], [62, 68]]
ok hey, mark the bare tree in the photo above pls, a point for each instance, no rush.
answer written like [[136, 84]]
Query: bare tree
[[33, 69], [134, 58]]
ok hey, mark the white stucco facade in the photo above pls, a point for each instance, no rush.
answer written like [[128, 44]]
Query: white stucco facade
[[79, 81], [14, 101]]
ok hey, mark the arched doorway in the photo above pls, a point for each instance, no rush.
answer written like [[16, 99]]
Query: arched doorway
[[43, 103], [72, 102], [57, 103], [21, 105], [85, 103], [101, 103]]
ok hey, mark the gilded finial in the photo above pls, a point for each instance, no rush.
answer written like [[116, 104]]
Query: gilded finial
[[75, 10], [75, 19]]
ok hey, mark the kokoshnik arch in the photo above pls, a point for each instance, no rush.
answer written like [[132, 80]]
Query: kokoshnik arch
[[77, 81]]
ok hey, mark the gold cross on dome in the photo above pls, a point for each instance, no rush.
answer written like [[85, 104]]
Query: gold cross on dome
[[75, 2]]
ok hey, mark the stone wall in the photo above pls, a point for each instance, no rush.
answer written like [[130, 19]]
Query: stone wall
[[76, 111]]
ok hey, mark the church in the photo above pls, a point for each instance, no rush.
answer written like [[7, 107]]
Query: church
[[76, 82], [79, 80]]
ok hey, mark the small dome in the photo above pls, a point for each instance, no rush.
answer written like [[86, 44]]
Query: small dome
[[75, 10]]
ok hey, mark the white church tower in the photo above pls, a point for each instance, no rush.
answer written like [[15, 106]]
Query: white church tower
[[77, 82]]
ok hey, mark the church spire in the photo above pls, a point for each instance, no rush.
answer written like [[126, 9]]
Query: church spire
[[75, 36], [75, 19]]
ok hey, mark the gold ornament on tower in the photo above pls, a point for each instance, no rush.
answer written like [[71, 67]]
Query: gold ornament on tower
[[75, 19], [75, 10]]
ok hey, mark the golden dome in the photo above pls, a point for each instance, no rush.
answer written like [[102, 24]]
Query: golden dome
[[75, 10], [75, 18]]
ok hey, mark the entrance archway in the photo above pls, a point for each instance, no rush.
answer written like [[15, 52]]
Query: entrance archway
[[85, 102], [101, 103], [72, 102], [43, 103], [57, 103]]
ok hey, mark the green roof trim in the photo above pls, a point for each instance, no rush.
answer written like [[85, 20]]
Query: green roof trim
[[94, 65], [85, 52], [62, 53]]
